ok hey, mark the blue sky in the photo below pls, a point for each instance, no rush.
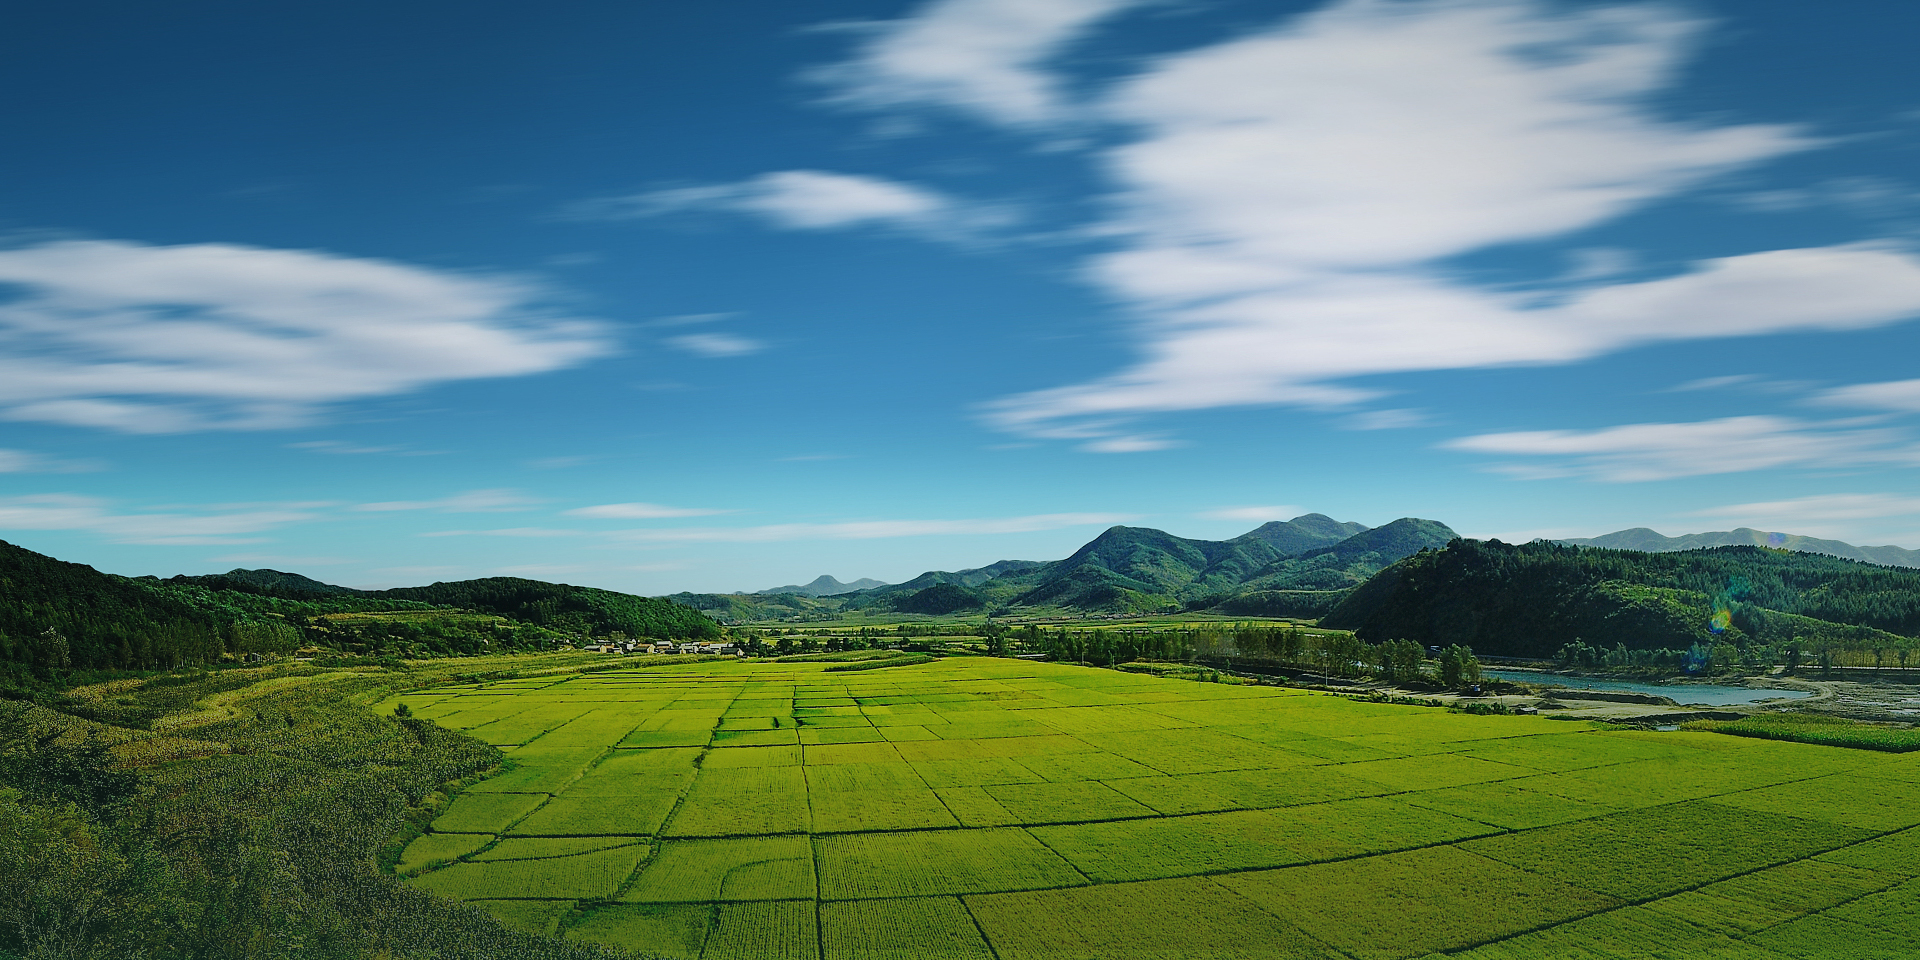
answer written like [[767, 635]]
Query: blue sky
[[721, 296]]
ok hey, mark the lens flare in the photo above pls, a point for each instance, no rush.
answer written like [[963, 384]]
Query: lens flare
[[1776, 540], [1722, 619]]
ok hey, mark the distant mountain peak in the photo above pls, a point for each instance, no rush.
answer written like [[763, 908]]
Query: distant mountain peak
[[826, 585], [1306, 532]]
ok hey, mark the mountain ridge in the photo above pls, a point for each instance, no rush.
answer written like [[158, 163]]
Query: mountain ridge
[[1646, 540], [825, 585]]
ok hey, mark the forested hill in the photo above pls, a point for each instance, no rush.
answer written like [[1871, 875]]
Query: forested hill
[[582, 610], [1649, 541], [56, 616], [1529, 599]]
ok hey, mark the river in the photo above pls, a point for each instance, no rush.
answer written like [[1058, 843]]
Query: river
[[1704, 693]]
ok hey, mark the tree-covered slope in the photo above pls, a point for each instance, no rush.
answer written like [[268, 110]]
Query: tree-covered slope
[[55, 615], [1301, 534], [586, 610], [1347, 563], [1529, 599]]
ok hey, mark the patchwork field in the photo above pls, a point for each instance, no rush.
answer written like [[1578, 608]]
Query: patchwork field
[[986, 808]]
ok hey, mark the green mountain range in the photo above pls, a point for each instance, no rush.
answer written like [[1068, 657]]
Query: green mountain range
[[1297, 567], [1648, 541]]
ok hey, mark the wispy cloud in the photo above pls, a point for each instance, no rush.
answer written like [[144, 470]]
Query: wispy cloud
[[1288, 201], [1662, 451], [472, 501], [150, 339], [716, 345], [65, 511], [1822, 508], [524, 533], [1897, 395], [876, 529], [986, 58], [26, 461], [815, 200], [1253, 514], [641, 511]]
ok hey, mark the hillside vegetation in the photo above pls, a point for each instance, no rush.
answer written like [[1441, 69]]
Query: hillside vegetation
[[1530, 599], [57, 616]]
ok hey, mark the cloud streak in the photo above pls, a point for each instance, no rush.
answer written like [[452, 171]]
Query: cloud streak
[[65, 511], [985, 58], [163, 339], [874, 529], [1642, 452], [1287, 201], [814, 200]]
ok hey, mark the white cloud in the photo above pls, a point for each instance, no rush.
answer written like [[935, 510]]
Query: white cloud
[[534, 533], [876, 529], [814, 200], [641, 511], [716, 345], [1662, 451], [1288, 199], [1396, 419], [1823, 508], [983, 57], [1253, 514], [473, 501], [26, 461], [64, 511], [1898, 395], [1128, 443], [150, 339]]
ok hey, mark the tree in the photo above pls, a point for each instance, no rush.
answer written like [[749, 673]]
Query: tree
[[1458, 666]]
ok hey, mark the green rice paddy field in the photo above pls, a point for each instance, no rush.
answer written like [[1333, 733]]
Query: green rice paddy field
[[986, 808]]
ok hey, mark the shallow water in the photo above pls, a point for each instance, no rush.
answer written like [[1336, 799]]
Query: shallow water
[[1705, 693]]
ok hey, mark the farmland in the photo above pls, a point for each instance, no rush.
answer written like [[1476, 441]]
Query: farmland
[[993, 808]]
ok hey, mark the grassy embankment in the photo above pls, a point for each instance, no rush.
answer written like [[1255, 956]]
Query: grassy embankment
[[238, 813]]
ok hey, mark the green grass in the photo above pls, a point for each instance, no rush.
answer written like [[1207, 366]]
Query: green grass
[[1815, 728], [978, 808]]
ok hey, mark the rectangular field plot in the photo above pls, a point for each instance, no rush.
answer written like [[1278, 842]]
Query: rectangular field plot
[[1417, 902], [587, 876], [433, 849], [1651, 852], [749, 868], [918, 929], [1630, 932], [1857, 800], [537, 848], [486, 812], [541, 770], [926, 862], [1896, 853], [618, 771], [777, 930], [1159, 920], [744, 800], [1759, 900], [542, 918], [639, 813], [676, 930], [1072, 802], [1509, 805]]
